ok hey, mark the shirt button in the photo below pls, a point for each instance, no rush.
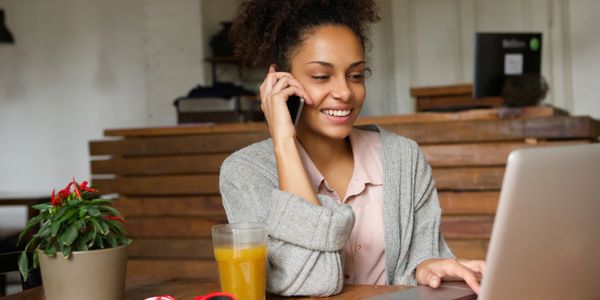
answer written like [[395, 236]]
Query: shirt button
[[358, 247], [346, 276]]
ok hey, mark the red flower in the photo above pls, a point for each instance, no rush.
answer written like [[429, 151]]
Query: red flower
[[84, 187], [115, 218], [64, 193], [55, 200]]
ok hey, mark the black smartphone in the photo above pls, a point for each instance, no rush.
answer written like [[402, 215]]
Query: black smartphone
[[295, 104]]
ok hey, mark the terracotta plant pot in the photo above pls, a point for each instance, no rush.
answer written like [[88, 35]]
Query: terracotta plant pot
[[91, 275]]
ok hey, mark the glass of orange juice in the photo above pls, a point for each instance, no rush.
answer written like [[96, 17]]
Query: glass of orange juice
[[241, 253]]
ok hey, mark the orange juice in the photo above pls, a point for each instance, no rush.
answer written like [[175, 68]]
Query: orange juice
[[242, 270]]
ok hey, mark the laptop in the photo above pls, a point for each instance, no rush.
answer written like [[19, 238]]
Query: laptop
[[546, 235]]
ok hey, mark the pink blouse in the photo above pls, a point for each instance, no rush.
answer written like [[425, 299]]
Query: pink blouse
[[364, 261]]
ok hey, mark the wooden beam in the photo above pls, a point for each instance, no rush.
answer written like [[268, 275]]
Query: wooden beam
[[468, 179], [469, 249], [186, 268], [160, 185], [199, 144], [467, 228], [469, 203], [163, 248], [172, 227], [498, 130], [187, 206], [160, 165], [486, 154]]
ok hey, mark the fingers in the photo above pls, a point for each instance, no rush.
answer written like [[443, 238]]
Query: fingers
[[270, 85], [432, 271], [468, 276], [477, 266]]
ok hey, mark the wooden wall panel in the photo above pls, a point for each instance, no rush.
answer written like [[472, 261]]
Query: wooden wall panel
[[469, 203], [186, 268], [469, 249], [167, 180], [480, 154], [171, 248], [160, 185], [179, 227], [209, 143], [199, 206], [479, 227], [468, 179], [161, 165]]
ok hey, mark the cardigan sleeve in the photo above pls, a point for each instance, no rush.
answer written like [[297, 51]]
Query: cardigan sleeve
[[305, 240], [427, 241]]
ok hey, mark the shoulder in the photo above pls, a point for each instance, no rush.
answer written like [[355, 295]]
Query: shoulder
[[255, 156], [389, 141]]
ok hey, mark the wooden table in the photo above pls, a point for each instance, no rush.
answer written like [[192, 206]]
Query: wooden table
[[139, 288]]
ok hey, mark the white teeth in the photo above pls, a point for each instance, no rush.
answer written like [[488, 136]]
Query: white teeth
[[337, 113]]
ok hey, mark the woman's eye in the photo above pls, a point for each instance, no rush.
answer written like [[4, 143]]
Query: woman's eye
[[320, 77], [357, 76]]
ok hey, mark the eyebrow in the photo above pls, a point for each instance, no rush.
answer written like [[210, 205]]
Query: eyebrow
[[327, 64]]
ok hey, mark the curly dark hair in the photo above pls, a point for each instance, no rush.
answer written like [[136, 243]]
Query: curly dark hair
[[269, 31]]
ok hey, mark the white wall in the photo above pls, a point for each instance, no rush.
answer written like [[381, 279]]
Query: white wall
[[430, 42], [77, 67], [585, 52], [174, 55]]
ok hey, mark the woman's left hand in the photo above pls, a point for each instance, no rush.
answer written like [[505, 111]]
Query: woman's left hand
[[433, 271]]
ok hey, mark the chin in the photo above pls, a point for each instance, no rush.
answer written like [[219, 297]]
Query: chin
[[337, 132]]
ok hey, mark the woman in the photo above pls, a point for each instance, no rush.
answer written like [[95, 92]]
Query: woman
[[342, 204]]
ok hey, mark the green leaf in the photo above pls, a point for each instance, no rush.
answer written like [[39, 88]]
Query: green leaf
[[66, 251], [75, 202], [54, 228], [60, 212], [98, 227], [79, 225], [100, 201], [36, 260], [42, 206], [104, 228], [94, 212], [24, 265], [109, 209], [80, 244], [111, 240], [44, 231], [98, 242], [82, 212], [116, 227], [50, 251], [67, 237], [32, 222], [67, 215]]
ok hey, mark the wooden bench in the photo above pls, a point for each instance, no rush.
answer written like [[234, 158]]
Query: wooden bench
[[167, 178]]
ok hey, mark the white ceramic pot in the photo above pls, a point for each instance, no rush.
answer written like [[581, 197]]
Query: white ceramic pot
[[91, 275]]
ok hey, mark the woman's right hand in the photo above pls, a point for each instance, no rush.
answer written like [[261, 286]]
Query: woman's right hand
[[274, 92]]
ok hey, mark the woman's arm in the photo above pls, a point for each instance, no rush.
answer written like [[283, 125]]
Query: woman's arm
[[274, 93], [305, 240]]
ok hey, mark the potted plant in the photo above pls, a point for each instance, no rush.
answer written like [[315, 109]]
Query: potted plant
[[80, 244]]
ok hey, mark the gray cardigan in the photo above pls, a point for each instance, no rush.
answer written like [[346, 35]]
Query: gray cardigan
[[306, 241]]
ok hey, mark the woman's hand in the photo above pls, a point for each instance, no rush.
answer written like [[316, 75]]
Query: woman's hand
[[274, 92], [432, 271]]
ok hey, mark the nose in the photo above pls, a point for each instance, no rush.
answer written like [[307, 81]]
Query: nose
[[340, 90]]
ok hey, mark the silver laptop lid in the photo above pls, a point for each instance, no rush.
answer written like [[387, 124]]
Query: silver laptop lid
[[546, 236]]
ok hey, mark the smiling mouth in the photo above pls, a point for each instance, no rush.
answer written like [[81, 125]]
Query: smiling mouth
[[337, 112]]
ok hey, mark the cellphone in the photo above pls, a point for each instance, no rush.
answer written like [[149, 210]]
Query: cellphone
[[295, 105]]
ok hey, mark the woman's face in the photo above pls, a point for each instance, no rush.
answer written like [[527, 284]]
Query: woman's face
[[330, 65]]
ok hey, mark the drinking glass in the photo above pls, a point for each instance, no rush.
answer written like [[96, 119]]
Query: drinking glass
[[241, 253]]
